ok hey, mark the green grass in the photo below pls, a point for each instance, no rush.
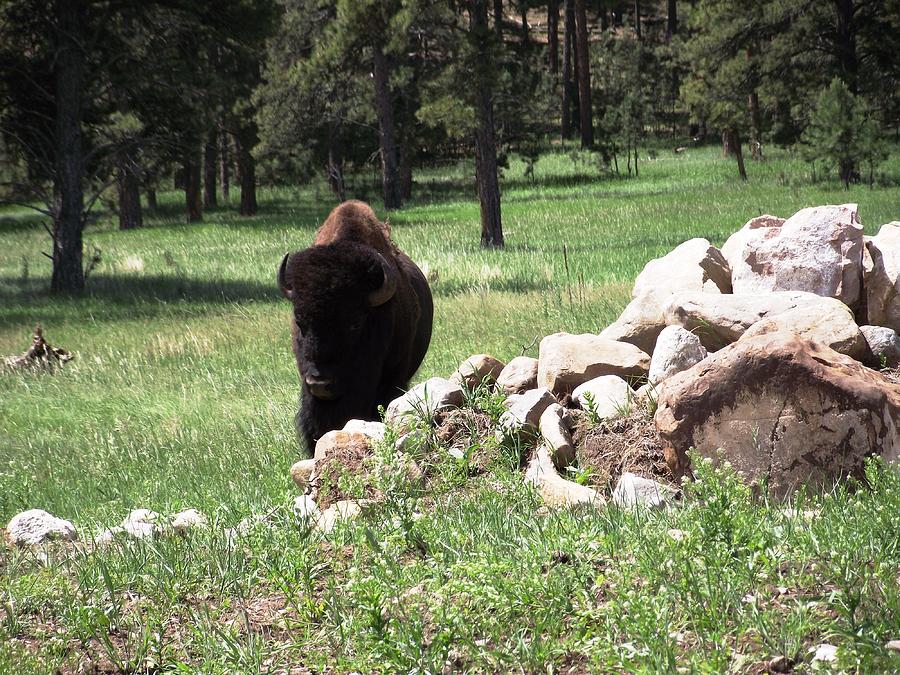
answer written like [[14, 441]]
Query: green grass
[[183, 391]]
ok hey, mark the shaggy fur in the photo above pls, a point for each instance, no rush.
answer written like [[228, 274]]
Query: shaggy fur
[[370, 353]]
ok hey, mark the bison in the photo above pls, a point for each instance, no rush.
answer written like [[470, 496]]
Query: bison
[[362, 320]]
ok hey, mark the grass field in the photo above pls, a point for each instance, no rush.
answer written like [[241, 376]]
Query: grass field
[[183, 391]]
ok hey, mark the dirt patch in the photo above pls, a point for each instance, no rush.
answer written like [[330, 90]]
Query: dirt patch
[[613, 447], [345, 473], [470, 432]]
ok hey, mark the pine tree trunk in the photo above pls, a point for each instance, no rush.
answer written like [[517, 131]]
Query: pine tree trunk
[[498, 18], [523, 14], [224, 165], [210, 165], [671, 19], [68, 211], [390, 179], [129, 189], [335, 165], [553, 36], [406, 176], [846, 45], [637, 18], [755, 126], [734, 142], [192, 197], [151, 198], [570, 118], [245, 140], [485, 143], [584, 75]]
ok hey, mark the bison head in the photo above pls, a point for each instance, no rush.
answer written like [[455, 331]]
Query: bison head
[[341, 327]]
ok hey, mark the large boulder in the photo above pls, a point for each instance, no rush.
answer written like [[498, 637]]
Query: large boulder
[[642, 320], [554, 490], [882, 277], [782, 409], [818, 249], [518, 375], [676, 350], [882, 346], [565, 360], [828, 321], [36, 526], [604, 397], [695, 265], [523, 411], [719, 320], [477, 369], [424, 401]]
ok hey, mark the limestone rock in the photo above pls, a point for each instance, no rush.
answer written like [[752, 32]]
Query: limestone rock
[[882, 346], [518, 375], [782, 408], [554, 426], [676, 350], [477, 369], [556, 491], [566, 360], [36, 526], [882, 277], [141, 524], [607, 396], [336, 442], [818, 249], [187, 521], [301, 472], [828, 321], [824, 653], [374, 430], [305, 510], [642, 320], [633, 490], [424, 400], [695, 265], [719, 320], [523, 411]]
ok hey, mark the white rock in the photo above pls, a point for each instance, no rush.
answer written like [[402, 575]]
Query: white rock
[[882, 277], [829, 322], [374, 430], [719, 320], [609, 396], [35, 526], [633, 490], [518, 375], [305, 510], [142, 516], [676, 350], [893, 645], [188, 520], [825, 653], [642, 320], [342, 510], [554, 426], [695, 265], [424, 400], [566, 360], [818, 249], [883, 346], [755, 232], [556, 491], [523, 411], [335, 442], [140, 524]]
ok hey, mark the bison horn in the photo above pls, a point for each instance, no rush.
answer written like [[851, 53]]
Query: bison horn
[[386, 291], [282, 281]]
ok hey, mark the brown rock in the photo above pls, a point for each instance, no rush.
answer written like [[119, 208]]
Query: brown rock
[[302, 471], [477, 369], [781, 408], [518, 375], [566, 360]]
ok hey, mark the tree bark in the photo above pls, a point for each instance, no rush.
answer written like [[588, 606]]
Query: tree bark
[[485, 143], [498, 18], [671, 19], [846, 45], [390, 178], [68, 211], [224, 165], [637, 18], [210, 165], [192, 197], [755, 126], [406, 176], [523, 14], [245, 140], [335, 167], [151, 198], [129, 188], [734, 142], [553, 36], [570, 74], [584, 75]]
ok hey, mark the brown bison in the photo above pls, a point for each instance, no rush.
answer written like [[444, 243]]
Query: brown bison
[[362, 320]]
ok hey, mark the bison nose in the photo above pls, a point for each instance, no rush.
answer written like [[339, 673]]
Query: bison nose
[[321, 387]]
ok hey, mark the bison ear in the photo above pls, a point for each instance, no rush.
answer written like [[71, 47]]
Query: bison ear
[[286, 291], [388, 286]]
